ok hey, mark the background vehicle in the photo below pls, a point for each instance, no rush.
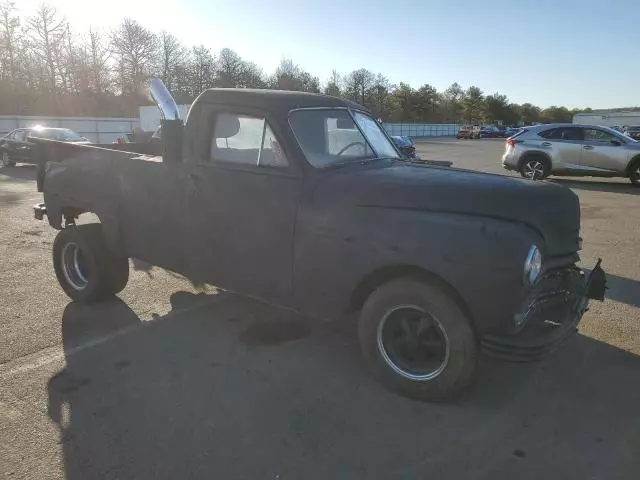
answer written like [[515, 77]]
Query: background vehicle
[[491, 132], [632, 131], [511, 131], [500, 130], [304, 200], [469, 131], [17, 146], [405, 145], [571, 149]]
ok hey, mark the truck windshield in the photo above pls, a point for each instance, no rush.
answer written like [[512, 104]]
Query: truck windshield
[[333, 136]]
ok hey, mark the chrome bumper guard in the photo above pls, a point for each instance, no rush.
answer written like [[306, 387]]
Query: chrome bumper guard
[[552, 314]]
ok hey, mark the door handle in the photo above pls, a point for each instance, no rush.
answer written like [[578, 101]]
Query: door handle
[[546, 144], [587, 147]]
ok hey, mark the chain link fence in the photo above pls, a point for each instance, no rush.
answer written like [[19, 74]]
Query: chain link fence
[[418, 130]]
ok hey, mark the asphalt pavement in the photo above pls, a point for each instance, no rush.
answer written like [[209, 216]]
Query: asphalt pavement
[[168, 382]]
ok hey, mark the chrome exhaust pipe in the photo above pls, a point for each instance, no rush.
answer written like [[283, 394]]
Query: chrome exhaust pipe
[[163, 99], [171, 123]]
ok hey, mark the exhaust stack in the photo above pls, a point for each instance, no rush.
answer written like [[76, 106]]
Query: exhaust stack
[[171, 123]]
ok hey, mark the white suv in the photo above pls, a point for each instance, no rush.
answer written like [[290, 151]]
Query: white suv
[[570, 149]]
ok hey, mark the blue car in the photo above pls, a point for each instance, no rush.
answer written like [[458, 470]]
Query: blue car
[[510, 132], [405, 145]]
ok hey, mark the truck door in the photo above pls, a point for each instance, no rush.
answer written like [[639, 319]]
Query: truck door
[[243, 198]]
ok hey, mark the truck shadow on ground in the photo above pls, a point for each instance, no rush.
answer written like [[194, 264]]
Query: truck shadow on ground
[[26, 172], [624, 290], [224, 387], [598, 186]]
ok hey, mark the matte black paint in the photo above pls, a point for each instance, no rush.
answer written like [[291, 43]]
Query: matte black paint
[[306, 237]]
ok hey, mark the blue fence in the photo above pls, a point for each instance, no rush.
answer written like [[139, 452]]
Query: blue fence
[[417, 130]]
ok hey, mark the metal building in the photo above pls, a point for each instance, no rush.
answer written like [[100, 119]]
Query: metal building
[[608, 118]]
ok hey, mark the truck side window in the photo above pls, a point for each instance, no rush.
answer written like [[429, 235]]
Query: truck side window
[[245, 140]]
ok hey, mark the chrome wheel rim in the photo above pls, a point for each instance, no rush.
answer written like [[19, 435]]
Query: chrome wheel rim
[[5, 159], [533, 169], [413, 343], [635, 175], [73, 266]]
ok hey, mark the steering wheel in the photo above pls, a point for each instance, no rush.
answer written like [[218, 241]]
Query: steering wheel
[[352, 144]]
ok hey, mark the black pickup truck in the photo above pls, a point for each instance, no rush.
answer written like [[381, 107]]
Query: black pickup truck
[[304, 200]]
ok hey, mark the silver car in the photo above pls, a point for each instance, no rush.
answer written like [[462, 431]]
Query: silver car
[[570, 149]]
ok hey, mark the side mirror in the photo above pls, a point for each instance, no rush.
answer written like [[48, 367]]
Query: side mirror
[[616, 142]]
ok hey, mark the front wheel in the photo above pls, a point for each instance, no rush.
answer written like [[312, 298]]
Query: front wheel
[[6, 160], [417, 340], [87, 270]]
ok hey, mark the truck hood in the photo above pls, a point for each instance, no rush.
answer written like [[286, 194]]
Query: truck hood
[[551, 209]]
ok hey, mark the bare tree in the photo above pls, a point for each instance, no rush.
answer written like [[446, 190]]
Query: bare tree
[[171, 58], [229, 69], [47, 32], [379, 95], [252, 76], [334, 85], [289, 76], [9, 24], [99, 56], [201, 70], [358, 84], [135, 48]]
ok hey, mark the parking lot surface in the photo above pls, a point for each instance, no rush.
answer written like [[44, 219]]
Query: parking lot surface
[[168, 382]]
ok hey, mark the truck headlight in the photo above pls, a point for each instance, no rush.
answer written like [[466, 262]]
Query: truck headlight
[[532, 266]]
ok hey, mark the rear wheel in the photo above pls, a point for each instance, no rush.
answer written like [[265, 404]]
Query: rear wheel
[[87, 270], [417, 341], [5, 160], [634, 172], [534, 167]]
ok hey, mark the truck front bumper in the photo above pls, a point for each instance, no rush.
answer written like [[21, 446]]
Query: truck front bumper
[[551, 315]]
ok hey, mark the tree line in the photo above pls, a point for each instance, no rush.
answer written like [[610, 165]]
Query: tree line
[[46, 69]]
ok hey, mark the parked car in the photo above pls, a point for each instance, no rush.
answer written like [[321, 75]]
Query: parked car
[[469, 131], [632, 131], [500, 130], [405, 145], [491, 132], [17, 145], [304, 200], [511, 131], [570, 149]]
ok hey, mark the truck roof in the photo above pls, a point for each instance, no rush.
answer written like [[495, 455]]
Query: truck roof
[[280, 100]]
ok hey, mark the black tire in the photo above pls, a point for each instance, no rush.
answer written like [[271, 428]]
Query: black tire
[[5, 160], [634, 172], [534, 164], [87, 270], [449, 331]]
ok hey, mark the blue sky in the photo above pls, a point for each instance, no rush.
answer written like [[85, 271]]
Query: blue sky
[[576, 53]]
